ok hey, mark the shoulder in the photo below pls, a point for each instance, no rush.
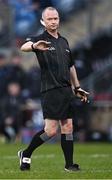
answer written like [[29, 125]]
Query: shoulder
[[35, 38], [64, 39]]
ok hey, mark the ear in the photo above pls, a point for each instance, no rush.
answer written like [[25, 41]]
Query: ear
[[42, 22]]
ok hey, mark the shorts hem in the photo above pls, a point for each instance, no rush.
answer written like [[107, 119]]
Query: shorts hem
[[57, 118]]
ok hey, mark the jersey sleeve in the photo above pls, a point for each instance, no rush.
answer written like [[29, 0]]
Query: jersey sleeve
[[71, 60], [32, 39]]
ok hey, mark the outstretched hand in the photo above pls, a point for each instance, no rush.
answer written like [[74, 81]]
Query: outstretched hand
[[41, 45], [82, 94]]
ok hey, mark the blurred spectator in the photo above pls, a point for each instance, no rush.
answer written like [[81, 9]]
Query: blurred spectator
[[36, 7], [4, 72], [81, 119], [4, 32], [33, 120], [34, 82], [83, 67], [67, 7], [17, 73], [81, 111], [37, 117], [64, 5], [11, 112], [3, 81], [24, 17], [6, 27]]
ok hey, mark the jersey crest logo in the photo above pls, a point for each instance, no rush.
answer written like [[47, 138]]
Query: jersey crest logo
[[52, 49], [67, 50]]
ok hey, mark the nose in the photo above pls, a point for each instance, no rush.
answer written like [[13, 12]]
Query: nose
[[53, 21]]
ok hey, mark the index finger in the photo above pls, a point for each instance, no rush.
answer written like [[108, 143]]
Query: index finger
[[47, 42], [87, 92], [42, 41]]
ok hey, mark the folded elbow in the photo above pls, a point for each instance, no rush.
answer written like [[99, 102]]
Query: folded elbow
[[22, 48]]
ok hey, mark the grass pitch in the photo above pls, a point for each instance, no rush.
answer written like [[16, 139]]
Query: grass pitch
[[48, 163]]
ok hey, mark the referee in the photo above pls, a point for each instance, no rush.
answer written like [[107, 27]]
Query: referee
[[58, 76]]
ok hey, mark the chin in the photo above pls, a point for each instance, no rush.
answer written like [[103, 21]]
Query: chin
[[54, 29]]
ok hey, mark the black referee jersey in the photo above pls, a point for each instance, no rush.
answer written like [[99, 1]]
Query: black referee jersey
[[55, 63]]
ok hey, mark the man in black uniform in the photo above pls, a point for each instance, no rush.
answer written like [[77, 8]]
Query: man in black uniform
[[57, 75]]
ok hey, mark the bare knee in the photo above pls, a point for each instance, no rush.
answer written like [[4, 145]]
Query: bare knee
[[67, 129], [51, 127], [50, 132]]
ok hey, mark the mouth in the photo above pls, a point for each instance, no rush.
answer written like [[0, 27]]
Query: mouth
[[53, 26]]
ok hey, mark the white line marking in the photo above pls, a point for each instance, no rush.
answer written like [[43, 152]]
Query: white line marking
[[97, 170], [95, 155], [33, 157], [53, 156]]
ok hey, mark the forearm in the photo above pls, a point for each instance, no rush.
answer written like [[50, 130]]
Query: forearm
[[27, 47], [73, 76], [79, 92]]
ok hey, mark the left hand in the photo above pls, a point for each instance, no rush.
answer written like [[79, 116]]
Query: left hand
[[82, 94], [41, 45]]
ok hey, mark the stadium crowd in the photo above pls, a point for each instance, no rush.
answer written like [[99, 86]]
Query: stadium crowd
[[17, 89], [27, 13]]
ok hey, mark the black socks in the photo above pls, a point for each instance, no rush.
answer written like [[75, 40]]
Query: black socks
[[41, 137], [67, 147], [38, 139]]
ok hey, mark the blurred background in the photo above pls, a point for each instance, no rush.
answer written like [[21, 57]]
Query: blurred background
[[87, 24]]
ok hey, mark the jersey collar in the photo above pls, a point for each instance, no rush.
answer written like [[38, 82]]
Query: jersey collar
[[50, 36]]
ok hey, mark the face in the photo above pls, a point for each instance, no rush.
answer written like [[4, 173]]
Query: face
[[51, 20], [14, 89]]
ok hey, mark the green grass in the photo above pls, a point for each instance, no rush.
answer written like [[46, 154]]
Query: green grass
[[47, 163]]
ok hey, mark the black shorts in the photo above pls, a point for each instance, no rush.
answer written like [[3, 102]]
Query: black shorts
[[57, 103]]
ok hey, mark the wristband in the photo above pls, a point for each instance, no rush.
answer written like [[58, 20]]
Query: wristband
[[76, 88], [32, 47]]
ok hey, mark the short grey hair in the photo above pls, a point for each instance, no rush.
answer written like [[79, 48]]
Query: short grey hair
[[48, 8]]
